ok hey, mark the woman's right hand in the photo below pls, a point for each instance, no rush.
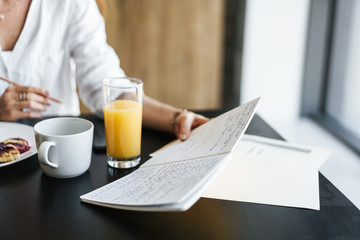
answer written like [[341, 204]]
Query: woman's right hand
[[23, 102]]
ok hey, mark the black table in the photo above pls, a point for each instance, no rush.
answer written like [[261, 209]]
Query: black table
[[35, 206]]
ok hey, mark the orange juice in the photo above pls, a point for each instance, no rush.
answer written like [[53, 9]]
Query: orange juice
[[123, 128]]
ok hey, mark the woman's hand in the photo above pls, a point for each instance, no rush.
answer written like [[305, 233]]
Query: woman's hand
[[164, 117], [186, 121], [23, 102]]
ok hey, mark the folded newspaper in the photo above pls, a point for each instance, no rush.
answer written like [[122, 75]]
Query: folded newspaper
[[175, 178]]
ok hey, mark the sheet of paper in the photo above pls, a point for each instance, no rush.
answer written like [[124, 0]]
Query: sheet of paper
[[217, 136], [149, 188], [256, 145], [270, 171], [268, 180]]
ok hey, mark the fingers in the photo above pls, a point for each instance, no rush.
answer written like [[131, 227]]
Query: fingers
[[183, 124], [187, 121], [39, 99], [32, 98], [31, 104], [18, 114], [9, 112], [36, 94], [23, 102], [36, 90], [199, 120]]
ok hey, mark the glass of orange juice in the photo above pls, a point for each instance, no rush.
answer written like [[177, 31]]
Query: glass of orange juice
[[122, 105]]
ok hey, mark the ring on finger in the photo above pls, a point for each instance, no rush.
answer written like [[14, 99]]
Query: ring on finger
[[23, 96]]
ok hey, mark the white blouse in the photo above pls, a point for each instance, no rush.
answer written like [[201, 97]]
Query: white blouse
[[56, 34], [5, 56]]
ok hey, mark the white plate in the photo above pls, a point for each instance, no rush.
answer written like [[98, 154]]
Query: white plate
[[17, 130]]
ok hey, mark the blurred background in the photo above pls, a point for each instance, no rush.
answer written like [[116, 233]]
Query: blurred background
[[300, 56], [174, 47]]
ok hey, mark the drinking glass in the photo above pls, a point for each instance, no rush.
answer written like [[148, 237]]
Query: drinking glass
[[122, 105]]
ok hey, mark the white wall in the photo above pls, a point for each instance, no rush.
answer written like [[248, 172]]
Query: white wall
[[274, 48]]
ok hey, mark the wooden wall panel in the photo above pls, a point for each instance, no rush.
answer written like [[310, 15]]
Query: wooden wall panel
[[173, 46]]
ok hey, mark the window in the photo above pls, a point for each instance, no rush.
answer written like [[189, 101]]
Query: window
[[331, 89]]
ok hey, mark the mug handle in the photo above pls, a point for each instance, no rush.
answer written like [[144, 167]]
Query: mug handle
[[43, 153]]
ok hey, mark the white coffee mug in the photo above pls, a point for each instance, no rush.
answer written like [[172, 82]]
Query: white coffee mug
[[64, 146]]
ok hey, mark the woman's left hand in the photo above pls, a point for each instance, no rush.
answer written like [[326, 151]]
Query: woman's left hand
[[185, 121]]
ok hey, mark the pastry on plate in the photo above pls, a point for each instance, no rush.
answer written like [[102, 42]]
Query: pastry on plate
[[8, 152], [19, 143]]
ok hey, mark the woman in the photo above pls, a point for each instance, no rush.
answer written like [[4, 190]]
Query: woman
[[50, 47]]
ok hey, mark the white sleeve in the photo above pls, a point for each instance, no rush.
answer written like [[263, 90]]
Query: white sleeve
[[93, 57]]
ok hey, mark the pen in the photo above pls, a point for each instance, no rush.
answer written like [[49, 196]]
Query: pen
[[15, 84]]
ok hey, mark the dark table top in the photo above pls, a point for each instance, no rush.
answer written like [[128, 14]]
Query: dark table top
[[35, 206]]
